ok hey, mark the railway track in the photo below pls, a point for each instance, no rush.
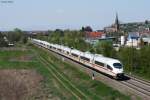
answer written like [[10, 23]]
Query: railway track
[[62, 79], [139, 86], [139, 79]]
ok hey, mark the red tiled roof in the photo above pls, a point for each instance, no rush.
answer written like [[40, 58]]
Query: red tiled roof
[[95, 34]]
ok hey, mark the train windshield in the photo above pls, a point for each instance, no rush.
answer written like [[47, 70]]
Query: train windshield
[[117, 65]]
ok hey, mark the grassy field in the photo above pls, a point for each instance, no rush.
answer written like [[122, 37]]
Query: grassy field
[[61, 80], [27, 60]]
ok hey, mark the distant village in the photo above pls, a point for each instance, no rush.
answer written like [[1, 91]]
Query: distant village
[[133, 34]]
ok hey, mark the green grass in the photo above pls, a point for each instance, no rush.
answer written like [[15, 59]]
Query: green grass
[[48, 84]]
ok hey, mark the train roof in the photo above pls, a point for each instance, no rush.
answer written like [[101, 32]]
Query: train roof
[[66, 48], [87, 55], [75, 51], [46, 43], [55, 45], [106, 60], [37, 40]]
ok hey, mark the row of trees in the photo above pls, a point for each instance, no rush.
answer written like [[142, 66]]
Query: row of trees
[[73, 39], [12, 37], [17, 36]]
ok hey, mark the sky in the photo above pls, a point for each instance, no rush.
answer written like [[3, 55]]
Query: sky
[[70, 14]]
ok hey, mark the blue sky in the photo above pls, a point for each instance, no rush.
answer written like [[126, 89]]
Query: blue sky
[[70, 14]]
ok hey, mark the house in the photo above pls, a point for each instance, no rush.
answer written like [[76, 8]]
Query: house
[[146, 38], [133, 39], [95, 35]]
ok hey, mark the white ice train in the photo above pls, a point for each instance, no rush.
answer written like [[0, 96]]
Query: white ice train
[[109, 66]]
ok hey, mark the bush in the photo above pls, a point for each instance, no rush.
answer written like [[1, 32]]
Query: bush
[[105, 48], [137, 61]]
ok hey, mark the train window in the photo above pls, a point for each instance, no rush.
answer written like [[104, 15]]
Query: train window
[[75, 55], [117, 65], [84, 58], [99, 63], [59, 49], [109, 67], [67, 52]]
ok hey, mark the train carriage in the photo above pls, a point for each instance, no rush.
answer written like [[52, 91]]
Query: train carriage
[[75, 54], [66, 50], [103, 64], [86, 58]]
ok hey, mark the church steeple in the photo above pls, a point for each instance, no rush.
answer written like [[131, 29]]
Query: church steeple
[[117, 22]]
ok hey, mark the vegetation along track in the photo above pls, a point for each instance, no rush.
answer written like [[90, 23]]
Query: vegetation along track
[[62, 79], [138, 85], [141, 87]]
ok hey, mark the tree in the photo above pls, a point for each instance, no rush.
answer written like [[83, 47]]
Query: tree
[[146, 22], [82, 29], [24, 39], [130, 58], [105, 48], [17, 34], [145, 59], [88, 29], [3, 43]]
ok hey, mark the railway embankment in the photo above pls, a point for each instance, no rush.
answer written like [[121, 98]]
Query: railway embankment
[[128, 86], [81, 84]]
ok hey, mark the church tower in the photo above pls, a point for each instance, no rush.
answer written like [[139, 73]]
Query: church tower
[[117, 26]]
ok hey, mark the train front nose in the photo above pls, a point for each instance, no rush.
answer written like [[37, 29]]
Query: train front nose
[[119, 73]]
